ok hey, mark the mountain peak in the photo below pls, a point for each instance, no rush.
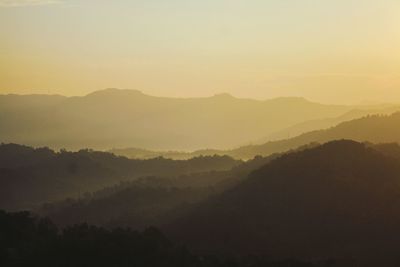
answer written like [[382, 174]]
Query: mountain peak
[[223, 96], [115, 92]]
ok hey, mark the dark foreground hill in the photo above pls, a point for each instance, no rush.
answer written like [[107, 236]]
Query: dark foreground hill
[[29, 177], [27, 241], [340, 200]]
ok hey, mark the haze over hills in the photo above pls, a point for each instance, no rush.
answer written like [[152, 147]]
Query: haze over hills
[[336, 201], [154, 200], [313, 125], [375, 129], [267, 133], [128, 118]]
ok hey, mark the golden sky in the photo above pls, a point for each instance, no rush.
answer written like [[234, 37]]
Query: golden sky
[[332, 51]]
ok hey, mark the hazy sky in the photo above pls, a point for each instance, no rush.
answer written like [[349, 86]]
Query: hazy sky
[[344, 51]]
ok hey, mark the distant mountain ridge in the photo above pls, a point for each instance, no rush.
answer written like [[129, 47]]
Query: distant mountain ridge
[[128, 118], [322, 124]]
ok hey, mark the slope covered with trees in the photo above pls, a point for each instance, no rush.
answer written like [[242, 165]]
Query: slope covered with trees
[[26, 240], [374, 129], [340, 200], [326, 123], [29, 177], [150, 200]]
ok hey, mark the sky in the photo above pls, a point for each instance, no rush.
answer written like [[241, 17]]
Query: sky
[[330, 51]]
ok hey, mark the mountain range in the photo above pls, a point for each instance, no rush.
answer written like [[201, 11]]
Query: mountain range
[[115, 118], [325, 197]]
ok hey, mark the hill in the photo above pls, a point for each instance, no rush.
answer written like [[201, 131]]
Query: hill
[[314, 125], [371, 128], [149, 200], [340, 200], [374, 129], [115, 118], [29, 176]]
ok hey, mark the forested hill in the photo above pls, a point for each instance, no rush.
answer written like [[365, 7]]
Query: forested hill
[[26, 240], [375, 129], [339, 200], [31, 176], [148, 201]]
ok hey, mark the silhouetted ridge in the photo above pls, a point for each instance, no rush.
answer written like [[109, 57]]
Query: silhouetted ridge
[[331, 160], [224, 96]]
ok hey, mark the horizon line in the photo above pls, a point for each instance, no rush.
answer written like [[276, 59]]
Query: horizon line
[[220, 94]]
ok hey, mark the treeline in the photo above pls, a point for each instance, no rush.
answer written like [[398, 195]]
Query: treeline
[[31, 176], [26, 240]]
